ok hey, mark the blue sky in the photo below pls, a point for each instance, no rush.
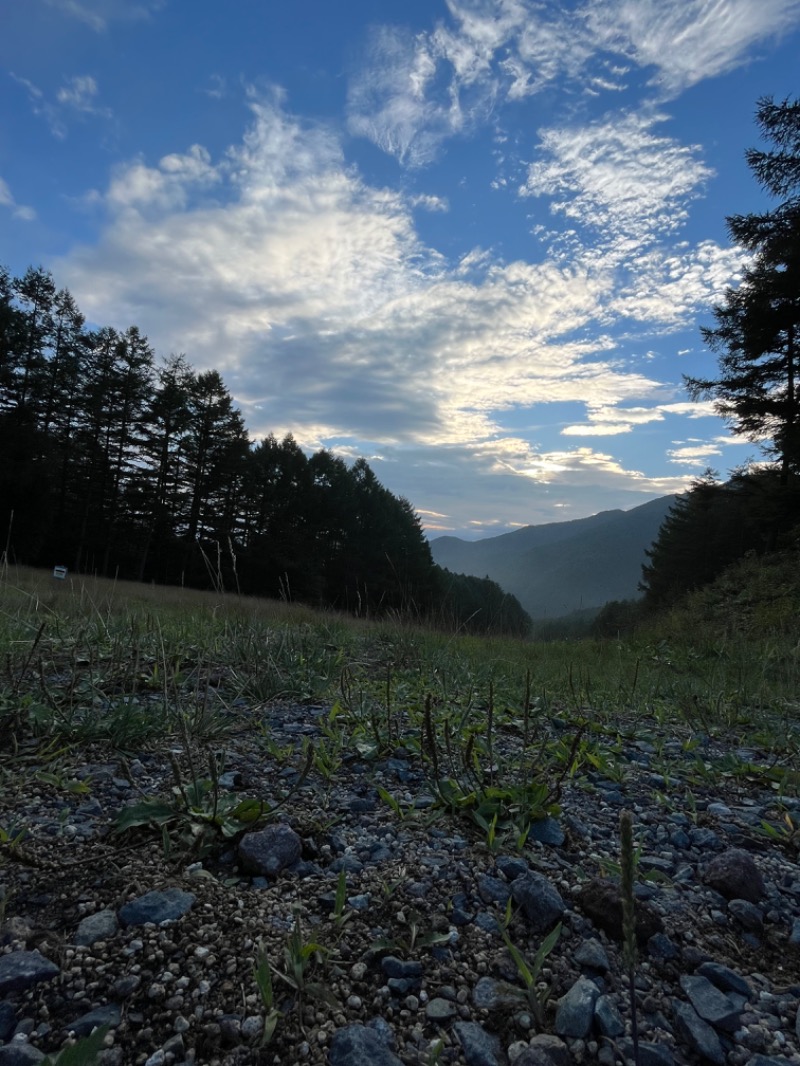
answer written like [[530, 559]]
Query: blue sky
[[473, 240]]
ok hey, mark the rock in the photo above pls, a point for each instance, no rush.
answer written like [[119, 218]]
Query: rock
[[94, 927], [699, 1035], [747, 915], [576, 1009], [550, 1051], [539, 900], [21, 969], [20, 1054], [712, 1005], [735, 875], [109, 1015], [593, 955], [600, 900], [480, 1048], [403, 969], [270, 850], [8, 1021], [492, 889], [357, 1045], [547, 831], [489, 994], [607, 1018], [649, 1054], [725, 979], [661, 947], [163, 905], [440, 1011]]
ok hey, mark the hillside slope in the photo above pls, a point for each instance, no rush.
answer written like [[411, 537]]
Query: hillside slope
[[561, 567]]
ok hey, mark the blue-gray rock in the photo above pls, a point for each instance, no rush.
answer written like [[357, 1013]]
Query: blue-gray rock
[[21, 969], [766, 1060], [490, 994], [401, 968], [8, 1021], [697, 1034], [488, 923], [794, 936], [748, 915], [20, 1054], [705, 839], [270, 850], [649, 1054], [545, 1050], [547, 831], [712, 1005], [359, 1045], [351, 864], [87, 1023], [725, 979], [98, 926], [440, 1011], [735, 875], [719, 810], [539, 901], [607, 1018], [163, 905], [593, 955], [576, 1009], [661, 947], [480, 1048], [511, 866], [492, 889]]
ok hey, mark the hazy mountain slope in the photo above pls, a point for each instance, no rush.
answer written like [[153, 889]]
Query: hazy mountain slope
[[561, 567]]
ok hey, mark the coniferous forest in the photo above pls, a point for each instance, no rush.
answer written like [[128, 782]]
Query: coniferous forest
[[116, 463]]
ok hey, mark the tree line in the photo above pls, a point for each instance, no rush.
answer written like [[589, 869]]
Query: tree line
[[116, 463], [756, 337]]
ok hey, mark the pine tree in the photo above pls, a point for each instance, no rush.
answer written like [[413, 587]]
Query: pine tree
[[757, 334]]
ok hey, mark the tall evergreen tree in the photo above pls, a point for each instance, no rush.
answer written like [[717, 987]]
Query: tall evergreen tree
[[757, 334]]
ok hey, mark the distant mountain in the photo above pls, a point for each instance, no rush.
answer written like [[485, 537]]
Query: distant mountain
[[562, 567]]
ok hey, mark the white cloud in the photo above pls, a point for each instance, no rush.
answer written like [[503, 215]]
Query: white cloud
[[687, 41], [618, 176], [20, 211], [97, 14], [77, 98]]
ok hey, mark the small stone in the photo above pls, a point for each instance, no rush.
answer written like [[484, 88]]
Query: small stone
[[712, 1005], [725, 979], [735, 875], [109, 1015], [100, 926], [608, 1018], [20, 1054], [539, 901], [747, 915], [21, 969], [546, 1050], [547, 831], [270, 850], [593, 955], [161, 906], [440, 1011], [355, 1045], [698, 1034], [576, 1009], [480, 1047], [600, 900]]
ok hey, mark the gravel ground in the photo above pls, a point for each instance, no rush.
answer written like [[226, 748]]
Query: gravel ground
[[413, 968]]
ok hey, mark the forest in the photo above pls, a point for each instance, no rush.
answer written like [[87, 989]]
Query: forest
[[116, 463]]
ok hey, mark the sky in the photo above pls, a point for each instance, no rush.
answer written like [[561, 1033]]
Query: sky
[[473, 241]]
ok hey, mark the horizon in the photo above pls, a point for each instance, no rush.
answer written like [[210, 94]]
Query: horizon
[[473, 241]]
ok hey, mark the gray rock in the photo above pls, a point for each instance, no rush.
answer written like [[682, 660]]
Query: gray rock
[[270, 850], [480, 1048], [661, 947], [489, 994], [725, 979], [550, 1051], [409, 969], [94, 927], [440, 1011], [735, 875], [163, 905], [511, 866], [21, 969], [19, 1054], [748, 915], [591, 953], [600, 900], [492, 889], [87, 1023], [358, 1045], [607, 1018], [539, 901], [576, 1009], [710, 1003], [547, 831], [8, 1021], [649, 1054], [697, 1034]]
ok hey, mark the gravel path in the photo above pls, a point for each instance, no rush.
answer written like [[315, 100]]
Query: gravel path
[[161, 946]]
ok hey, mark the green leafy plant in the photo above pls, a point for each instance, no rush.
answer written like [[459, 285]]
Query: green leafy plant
[[263, 977], [83, 1052], [535, 994], [300, 959]]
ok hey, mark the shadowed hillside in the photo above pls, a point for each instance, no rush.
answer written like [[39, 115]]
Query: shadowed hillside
[[561, 567]]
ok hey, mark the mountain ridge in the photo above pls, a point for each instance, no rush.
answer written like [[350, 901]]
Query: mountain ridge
[[559, 567]]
